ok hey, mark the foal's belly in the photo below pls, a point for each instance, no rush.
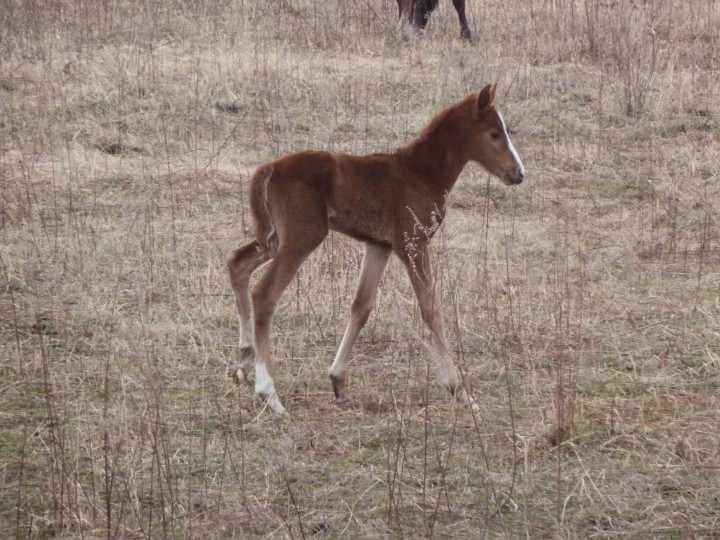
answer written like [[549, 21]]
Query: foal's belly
[[367, 225]]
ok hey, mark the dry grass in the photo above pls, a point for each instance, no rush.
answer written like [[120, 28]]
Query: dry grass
[[584, 305]]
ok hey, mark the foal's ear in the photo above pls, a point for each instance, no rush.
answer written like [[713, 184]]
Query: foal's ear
[[486, 97]]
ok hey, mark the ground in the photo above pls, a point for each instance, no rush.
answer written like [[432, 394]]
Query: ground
[[583, 305]]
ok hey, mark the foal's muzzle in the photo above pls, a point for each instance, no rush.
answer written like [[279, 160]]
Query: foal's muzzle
[[515, 178]]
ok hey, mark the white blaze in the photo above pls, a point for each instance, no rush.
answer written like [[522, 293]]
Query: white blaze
[[521, 167]]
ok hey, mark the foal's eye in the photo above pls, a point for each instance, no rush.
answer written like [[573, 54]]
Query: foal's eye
[[495, 135]]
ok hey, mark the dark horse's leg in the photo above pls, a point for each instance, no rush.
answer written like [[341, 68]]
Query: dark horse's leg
[[464, 28], [418, 13], [404, 6], [422, 11]]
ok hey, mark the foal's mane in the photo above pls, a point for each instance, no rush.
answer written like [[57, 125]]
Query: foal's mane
[[435, 124]]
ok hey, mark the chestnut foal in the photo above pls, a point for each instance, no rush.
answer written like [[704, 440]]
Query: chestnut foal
[[391, 202]]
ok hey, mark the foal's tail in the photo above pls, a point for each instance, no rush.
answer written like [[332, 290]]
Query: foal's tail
[[260, 207]]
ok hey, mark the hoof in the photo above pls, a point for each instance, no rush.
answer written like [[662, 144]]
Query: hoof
[[463, 397], [474, 406], [340, 400], [240, 377], [273, 403], [338, 385]]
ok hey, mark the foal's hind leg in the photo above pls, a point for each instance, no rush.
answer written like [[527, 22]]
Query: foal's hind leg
[[373, 266], [265, 296], [241, 264], [417, 264]]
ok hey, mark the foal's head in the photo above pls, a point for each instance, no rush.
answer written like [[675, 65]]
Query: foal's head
[[489, 142]]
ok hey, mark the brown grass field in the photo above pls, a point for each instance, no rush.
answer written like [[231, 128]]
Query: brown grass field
[[583, 305]]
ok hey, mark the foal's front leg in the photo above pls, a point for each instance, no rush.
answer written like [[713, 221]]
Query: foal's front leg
[[373, 265], [417, 263]]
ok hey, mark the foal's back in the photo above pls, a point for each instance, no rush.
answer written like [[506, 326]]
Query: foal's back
[[376, 197]]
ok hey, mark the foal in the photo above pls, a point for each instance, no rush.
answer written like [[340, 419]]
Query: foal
[[382, 200]]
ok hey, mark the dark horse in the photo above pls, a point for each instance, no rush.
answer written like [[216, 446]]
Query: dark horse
[[391, 202], [417, 13]]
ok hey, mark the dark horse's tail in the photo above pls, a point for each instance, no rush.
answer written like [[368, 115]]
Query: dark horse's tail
[[260, 208]]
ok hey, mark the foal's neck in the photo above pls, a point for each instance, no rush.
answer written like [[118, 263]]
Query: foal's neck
[[439, 150]]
